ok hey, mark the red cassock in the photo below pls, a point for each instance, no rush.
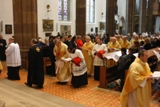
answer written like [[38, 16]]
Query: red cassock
[[79, 43]]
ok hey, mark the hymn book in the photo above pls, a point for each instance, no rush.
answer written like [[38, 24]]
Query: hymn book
[[157, 54], [156, 75]]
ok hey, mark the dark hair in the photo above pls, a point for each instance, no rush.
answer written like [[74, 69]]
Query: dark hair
[[141, 52], [71, 48], [131, 49], [123, 50], [61, 37], [34, 41], [69, 36]]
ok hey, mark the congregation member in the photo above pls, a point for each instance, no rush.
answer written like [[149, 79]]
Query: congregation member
[[68, 41], [35, 67], [79, 42], [13, 59], [2, 48], [122, 67], [98, 50], [52, 71], [41, 43], [130, 57], [105, 38], [63, 69], [136, 47], [79, 69], [137, 88], [147, 44], [87, 52]]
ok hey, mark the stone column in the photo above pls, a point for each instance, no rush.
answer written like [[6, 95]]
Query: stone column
[[142, 16], [25, 24], [81, 17], [150, 18], [110, 12], [129, 16]]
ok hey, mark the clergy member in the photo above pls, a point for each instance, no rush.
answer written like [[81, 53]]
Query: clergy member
[[63, 69], [87, 52], [98, 50], [1, 67], [125, 43], [13, 59], [79, 69], [137, 88]]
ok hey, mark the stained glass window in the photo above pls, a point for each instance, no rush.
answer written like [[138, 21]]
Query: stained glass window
[[90, 11], [63, 10]]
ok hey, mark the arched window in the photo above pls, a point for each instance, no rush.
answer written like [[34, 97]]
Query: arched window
[[90, 11], [63, 10]]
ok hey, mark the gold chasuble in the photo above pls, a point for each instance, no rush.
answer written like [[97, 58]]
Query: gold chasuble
[[119, 41], [137, 89], [114, 46], [1, 67], [63, 72], [87, 53], [125, 44]]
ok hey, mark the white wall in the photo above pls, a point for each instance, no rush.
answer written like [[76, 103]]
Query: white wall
[[100, 6], [6, 16], [121, 8], [157, 29], [53, 15]]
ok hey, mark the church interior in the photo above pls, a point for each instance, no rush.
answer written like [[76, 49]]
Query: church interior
[[27, 19]]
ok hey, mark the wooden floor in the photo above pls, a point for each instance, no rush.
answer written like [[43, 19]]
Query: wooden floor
[[90, 95]]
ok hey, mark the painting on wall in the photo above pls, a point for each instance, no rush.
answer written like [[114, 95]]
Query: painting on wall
[[48, 25], [65, 28], [8, 29], [48, 34], [101, 25]]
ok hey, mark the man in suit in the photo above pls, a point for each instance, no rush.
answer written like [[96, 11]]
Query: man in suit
[[2, 48]]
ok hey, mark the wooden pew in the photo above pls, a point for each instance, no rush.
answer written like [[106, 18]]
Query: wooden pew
[[46, 60], [109, 74]]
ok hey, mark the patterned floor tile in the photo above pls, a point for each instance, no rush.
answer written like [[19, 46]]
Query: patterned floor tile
[[90, 95]]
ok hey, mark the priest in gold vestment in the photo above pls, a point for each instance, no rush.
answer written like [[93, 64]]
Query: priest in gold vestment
[[87, 52], [63, 69], [1, 67], [113, 45], [125, 43], [137, 89]]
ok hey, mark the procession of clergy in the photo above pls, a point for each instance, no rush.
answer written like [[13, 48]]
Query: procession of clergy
[[73, 56]]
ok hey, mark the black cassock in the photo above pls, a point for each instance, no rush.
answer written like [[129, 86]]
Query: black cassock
[[2, 50], [35, 67]]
